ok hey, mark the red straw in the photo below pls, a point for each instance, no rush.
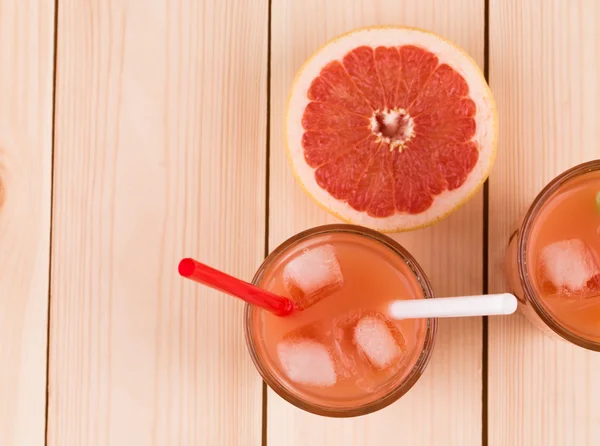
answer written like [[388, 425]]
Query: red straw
[[218, 280]]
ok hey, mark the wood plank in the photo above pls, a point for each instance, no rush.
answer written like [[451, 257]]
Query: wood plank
[[160, 154], [445, 405], [26, 56], [544, 71]]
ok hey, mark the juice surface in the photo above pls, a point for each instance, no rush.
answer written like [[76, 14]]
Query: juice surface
[[374, 276], [570, 222]]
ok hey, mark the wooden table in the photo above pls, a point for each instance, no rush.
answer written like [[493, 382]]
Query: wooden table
[[135, 132]]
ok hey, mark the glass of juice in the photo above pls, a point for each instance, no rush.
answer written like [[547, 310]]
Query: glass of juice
[[553, 259], [341, 355]]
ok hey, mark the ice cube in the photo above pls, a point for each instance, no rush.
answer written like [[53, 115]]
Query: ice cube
[[380, 340], [347, 356], [368, 348], [312, 276], [306, 361], [569, 265]]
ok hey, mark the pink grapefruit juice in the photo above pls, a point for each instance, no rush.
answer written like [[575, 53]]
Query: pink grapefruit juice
[[341, 355], [558, 254]]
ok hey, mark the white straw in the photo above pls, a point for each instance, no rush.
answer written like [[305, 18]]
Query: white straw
[[485, 305]]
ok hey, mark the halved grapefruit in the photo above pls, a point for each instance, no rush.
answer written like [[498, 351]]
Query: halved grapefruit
[[391, 127]]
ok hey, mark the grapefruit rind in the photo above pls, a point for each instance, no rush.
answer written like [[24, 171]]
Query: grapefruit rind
[[486, 119]]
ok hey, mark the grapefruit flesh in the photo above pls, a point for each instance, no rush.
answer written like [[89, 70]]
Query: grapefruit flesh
[[392, 128]]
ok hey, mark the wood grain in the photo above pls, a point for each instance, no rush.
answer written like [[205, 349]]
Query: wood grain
[[160, 154], [445, 405], [545, 74], [26, 57]]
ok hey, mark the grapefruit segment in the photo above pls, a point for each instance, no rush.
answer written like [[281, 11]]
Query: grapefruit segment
[[387, 64], [443, 88], [445, 131], [334, 86], [339, 178], [375, 186], [328, 116], [322, 146], [456, 161], [417, 65], [445, 113], [360, 65], [415, 178], [392, 128]]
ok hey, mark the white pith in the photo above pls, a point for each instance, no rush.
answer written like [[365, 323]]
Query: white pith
[[485, 119], [390, 118]]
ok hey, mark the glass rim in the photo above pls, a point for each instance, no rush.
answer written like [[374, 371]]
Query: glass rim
[[522, 244], [397, 391]]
